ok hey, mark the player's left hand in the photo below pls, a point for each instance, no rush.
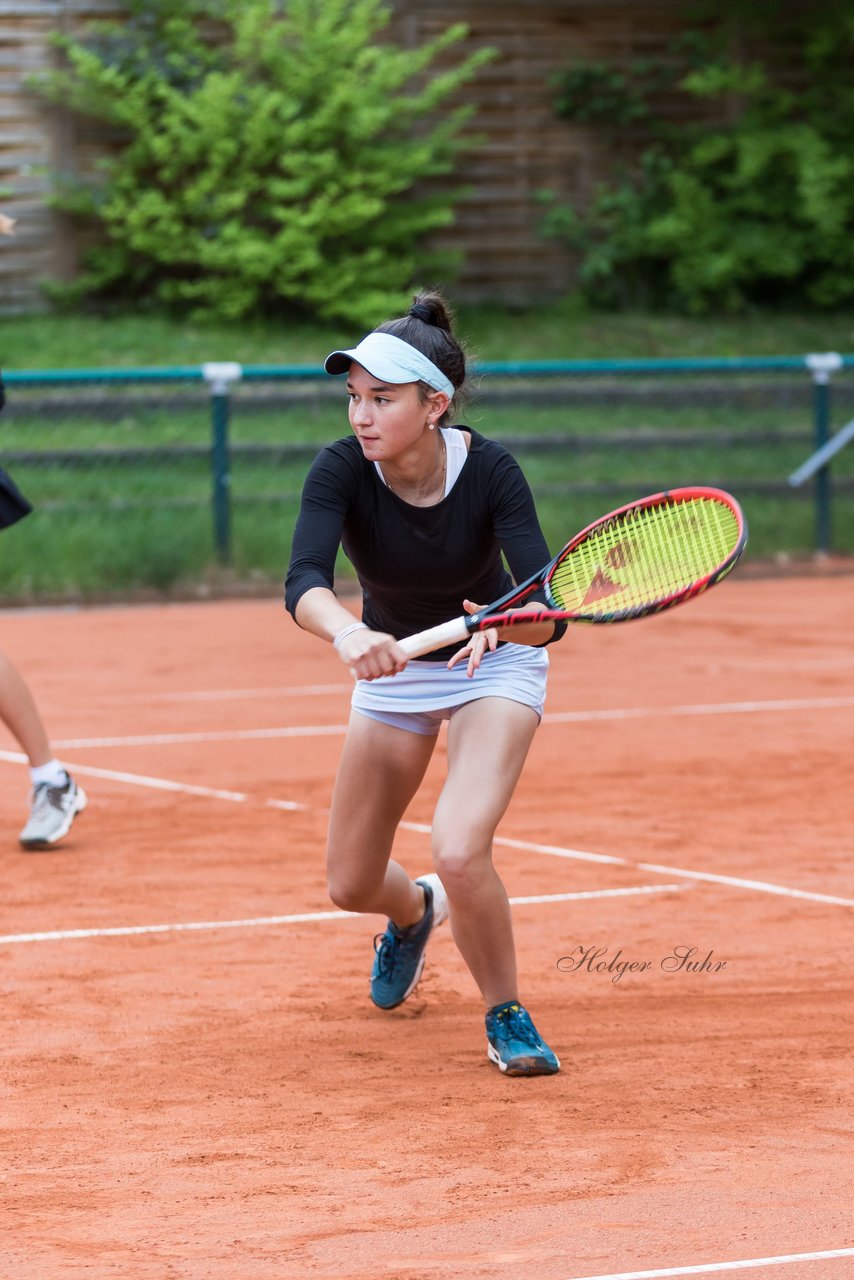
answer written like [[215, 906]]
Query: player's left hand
[[477, 646]]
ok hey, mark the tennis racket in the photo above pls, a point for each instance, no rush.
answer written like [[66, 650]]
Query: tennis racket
[[645, 557]]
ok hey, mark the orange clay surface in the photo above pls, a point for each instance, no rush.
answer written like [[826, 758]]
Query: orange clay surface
[[218, 1098]]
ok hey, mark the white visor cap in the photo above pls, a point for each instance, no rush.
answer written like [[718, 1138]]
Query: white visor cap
[[392, 360]]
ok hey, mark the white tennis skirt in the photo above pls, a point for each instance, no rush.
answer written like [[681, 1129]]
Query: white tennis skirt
[[426, 693]]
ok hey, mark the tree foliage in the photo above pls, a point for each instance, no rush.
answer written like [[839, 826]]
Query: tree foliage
[[753, 206], [272, 156]]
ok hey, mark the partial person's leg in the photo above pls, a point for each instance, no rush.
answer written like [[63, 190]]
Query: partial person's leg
[[488, 742], [19, 713], [56, 799], [379, 772]]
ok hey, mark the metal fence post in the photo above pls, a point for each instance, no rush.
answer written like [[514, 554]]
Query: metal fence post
[[219, 377], [821, 365]]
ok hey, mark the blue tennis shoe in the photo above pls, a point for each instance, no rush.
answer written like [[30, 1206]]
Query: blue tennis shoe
[[514, 1044], [399, 958]]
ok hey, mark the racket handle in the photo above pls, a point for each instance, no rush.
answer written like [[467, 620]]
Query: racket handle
[[435, 638]]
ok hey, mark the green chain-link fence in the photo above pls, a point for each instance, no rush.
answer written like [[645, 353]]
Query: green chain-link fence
[[168, 478]]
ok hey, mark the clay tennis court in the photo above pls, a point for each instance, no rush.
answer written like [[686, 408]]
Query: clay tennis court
[[196, 1084]]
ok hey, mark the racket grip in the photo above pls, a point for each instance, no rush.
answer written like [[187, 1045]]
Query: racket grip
[[435, 638]]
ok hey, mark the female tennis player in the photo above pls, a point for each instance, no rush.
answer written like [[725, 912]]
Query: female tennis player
[[424, 510]]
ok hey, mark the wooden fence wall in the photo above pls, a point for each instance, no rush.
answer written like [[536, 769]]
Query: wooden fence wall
[[522, 147]]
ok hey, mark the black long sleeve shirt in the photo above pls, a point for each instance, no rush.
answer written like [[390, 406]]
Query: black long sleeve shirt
[[416, 565]]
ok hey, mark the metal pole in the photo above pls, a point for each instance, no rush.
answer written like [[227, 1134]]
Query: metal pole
[[821, 366], [219, 377]]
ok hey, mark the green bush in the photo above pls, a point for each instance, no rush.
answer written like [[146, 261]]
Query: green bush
[[753, 206], [268, 159]]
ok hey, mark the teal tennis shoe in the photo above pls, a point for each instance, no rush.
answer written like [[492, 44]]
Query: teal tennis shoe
[[399, 958], [515, 1045]]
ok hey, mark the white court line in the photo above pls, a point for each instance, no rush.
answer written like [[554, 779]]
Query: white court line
[[780, 664], [211, 735], [159, 784], [229, 695], [709, 1268], [123, 931], [140, 780], [309, 690], [556, 717], [291, 805], [555, 851], [760, 886], [701, 709]]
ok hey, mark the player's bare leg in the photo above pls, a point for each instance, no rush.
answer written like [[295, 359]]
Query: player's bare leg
[[488, 742], [379, 772]]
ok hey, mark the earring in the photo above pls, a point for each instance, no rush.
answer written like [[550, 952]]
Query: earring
[[432, 426]]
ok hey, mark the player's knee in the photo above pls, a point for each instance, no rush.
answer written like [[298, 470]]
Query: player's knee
[[458, 865], [350, 894]]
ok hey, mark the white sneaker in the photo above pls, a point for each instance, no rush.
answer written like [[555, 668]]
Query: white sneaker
[[52, 811]]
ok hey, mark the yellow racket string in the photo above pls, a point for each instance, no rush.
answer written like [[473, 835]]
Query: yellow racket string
[[647, 555]]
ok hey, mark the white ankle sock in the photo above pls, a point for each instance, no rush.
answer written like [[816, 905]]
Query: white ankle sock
[[52, 772]]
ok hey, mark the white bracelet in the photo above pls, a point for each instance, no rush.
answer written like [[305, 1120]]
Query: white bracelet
[[348, 631]]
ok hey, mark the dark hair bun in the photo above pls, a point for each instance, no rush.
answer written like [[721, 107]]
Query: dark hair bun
[[432, 309], [428, 326], [421, 312]]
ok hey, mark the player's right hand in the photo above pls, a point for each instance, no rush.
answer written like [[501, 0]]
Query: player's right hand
[[371, 654]]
